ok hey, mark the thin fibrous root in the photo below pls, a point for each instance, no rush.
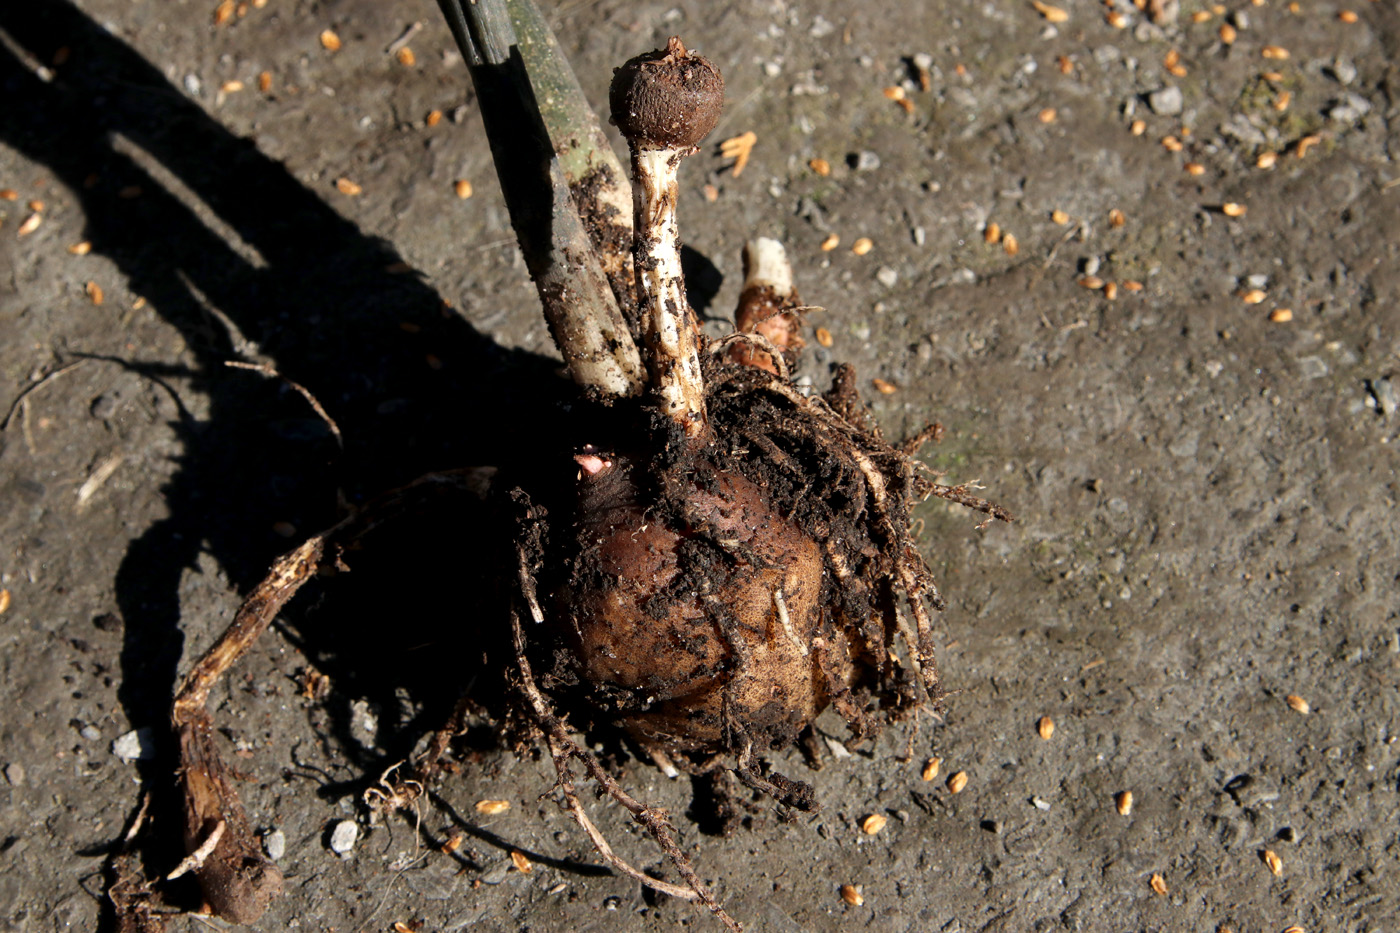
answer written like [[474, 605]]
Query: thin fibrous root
[[238, 882], [563, 748]]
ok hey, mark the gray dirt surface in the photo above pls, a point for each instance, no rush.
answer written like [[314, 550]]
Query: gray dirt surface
[[1206, 495]]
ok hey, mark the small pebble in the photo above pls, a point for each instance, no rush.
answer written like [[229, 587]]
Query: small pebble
[[275, 844], [136, 745], [344, 836], [14, 773], [887, 276], [1166, 102], [865, 161]]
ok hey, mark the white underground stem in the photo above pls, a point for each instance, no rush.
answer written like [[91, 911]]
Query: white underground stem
[[669, 326]]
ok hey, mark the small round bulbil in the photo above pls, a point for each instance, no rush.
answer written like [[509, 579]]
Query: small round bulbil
[[667, 100]]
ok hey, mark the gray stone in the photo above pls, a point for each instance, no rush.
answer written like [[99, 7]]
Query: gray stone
[[136, 745], [344, 836], [866, 161], [1350, 109], [1166, 101]]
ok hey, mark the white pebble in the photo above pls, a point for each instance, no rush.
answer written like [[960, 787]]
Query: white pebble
[[275, 843], [136, 745], [344, 837]]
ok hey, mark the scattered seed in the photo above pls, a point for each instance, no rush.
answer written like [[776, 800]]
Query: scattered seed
[[330, 41], [1266, 160], [1283, 100], [1200, 16], [1306, 143], [31, 223], [930, 770], [992, 232], [1159, 884], [130, 193], [1194, 168], [1294, 929], [1046, 727], [1116, 218], [1173, 57], [1051, 13], [1297, 703], [738, 148], [1253, 297], [894, 92], [1171, 144], [875, 822], [231, 87], [433, 118], [957, 781], [406, 57], [1231, 209], [1132, 285], [81, 249], [5, 600], [1091, 282], [820, 166], [1274, 76], [1138, 127], [831, 242], [94, 292], [1273, 861], [223, 12], [1347, 16], [521, 863], [1011, 244], [851, 895], [284, 529], [862, 246], [492, 807], [264, 81], [9, 194], [1059, 217], [1274, 52], [884, 387], [346, 186], [36, 205], [1047, 115], [1066, 65], [1116, 19], [1228, 35], [453, 843], [711, 193], [1178, 71], [1110, 291], [139, 303], [463, 188], [824, 337], [1281, 315], [1124, 803]]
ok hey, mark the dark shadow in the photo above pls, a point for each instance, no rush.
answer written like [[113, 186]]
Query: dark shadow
[[327, 309]]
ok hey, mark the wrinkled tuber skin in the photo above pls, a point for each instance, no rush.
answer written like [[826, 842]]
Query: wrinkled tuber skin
[[678, 623]]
